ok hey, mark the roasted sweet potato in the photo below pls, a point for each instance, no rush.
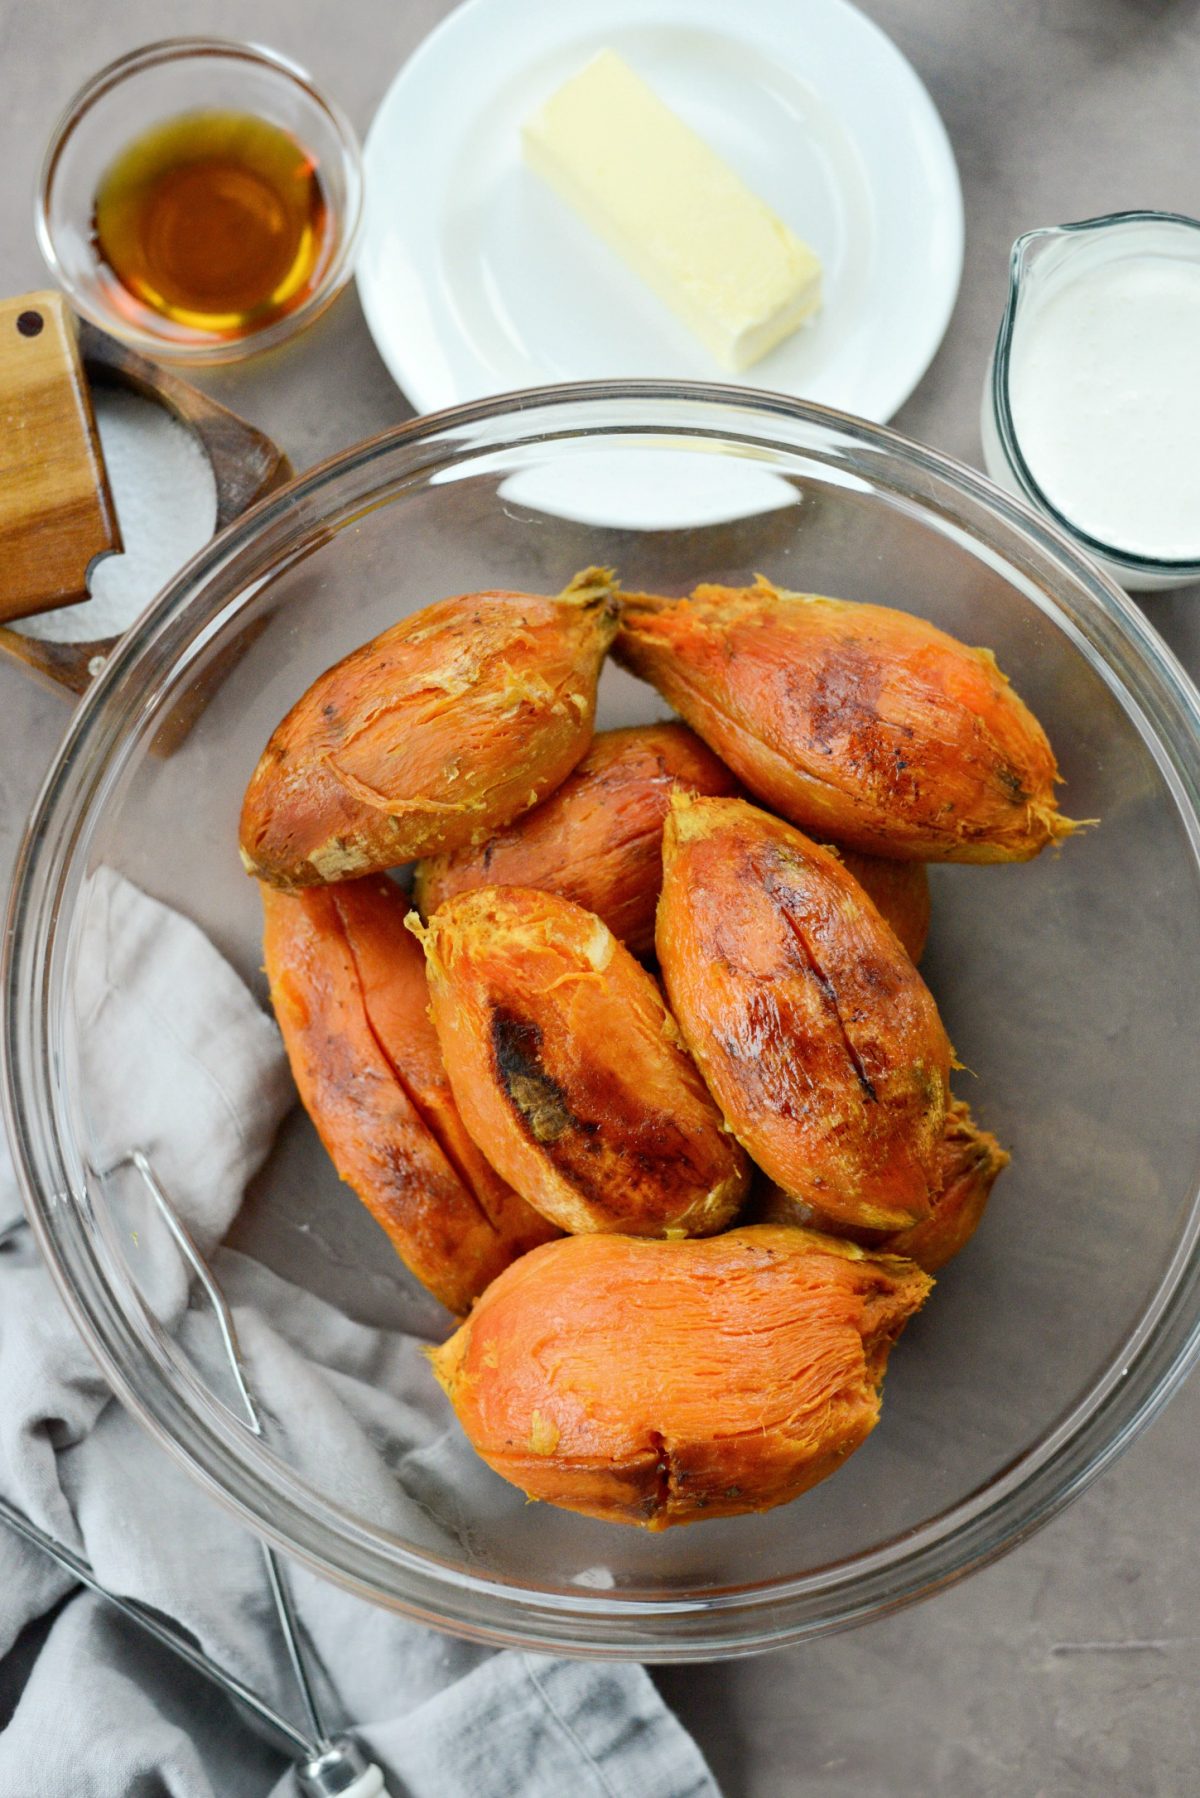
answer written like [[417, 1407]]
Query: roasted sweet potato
[[596, 841], [857, 722], [815, 1033], [664, 1382], [567, 1069], [898, 890], [969, 1161], [433, 735], [349, 991]]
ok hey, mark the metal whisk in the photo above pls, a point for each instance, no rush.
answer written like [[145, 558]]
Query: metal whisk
[[327, 1766]]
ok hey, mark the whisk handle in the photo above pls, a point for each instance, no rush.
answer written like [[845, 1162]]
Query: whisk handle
[[367, 1785], [341, 1771]]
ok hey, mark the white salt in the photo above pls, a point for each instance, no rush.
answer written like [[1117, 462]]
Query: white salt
[[165, 494]]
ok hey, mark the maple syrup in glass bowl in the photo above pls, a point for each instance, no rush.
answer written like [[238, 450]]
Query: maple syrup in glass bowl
[[201, 199]]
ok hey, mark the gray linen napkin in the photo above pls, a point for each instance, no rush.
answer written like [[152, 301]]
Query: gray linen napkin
[[191, 1070]]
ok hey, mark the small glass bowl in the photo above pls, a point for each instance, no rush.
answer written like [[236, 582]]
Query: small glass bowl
[[147, 88], [1039, 259]]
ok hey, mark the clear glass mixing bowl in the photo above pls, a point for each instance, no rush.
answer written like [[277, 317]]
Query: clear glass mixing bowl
[[1071, 988]]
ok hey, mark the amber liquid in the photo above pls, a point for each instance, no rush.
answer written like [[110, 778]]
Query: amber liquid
[[216, 220]]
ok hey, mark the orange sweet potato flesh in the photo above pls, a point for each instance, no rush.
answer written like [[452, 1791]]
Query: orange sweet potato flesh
[[567, 1068], [969, 1162], [348, 986], [432, 735], [814, 1032], [659, 1383], [596, 841], [857, 722]]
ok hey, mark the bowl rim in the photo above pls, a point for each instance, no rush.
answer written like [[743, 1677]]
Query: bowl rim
[[1143, 1371], [201, 349]]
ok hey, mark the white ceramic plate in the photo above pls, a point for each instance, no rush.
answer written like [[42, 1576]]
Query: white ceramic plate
[[476, 279]]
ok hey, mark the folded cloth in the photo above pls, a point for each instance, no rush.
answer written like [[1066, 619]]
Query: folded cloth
[[176, 1057]]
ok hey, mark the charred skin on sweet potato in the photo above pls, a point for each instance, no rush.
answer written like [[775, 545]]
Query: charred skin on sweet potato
[[814, 1032], [395, 988], [899, 891], [969, 1162], [596, 841], [348, 986], [659, 1383], [567, 1067], [855, 721], [434, 734]]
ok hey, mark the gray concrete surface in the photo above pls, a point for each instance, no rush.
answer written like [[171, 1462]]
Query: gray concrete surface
[[1070, 1668]]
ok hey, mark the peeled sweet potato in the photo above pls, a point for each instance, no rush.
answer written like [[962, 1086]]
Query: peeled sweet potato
[[349, 991], [433, 735], [857, 722], [567, 1068], [814, 1032], [659, 1383], [969, 1161], [596, 841]]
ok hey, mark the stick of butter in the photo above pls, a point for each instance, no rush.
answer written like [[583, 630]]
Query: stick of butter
[[691, 228]]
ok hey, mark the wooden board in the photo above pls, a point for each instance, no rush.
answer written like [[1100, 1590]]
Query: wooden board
[[56, 511], [246, 465]]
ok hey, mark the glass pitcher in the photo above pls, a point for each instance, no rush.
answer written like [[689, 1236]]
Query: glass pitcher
[[1043, 261]]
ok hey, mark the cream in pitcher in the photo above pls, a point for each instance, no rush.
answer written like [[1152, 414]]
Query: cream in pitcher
[[1094, 406]]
